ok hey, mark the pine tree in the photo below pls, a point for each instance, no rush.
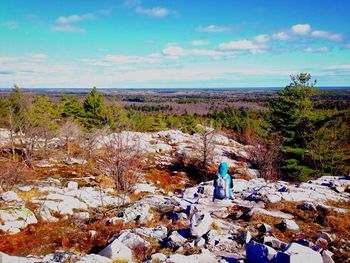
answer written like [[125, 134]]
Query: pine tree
[[94, 110]]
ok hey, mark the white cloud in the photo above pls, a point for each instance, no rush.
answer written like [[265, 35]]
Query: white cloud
[[301, 29], [67, 23], [65, 20], [280, 36], [10, 24], [157, 12], [327, 35], [262, 38], [214, 29], [343, 66], [67, 28], [38, 57], [173, 51], [199, 42], [316, 49], [242, 45]]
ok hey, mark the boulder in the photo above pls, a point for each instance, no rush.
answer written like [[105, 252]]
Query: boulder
[[176, 239], [259, 253], [132, 240], [138, 212], [296, 253], [200, 223], [117, 251], [10, 196], [274, 242], [158, 233]]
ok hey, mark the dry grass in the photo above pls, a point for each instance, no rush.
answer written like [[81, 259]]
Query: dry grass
[[44, 238], [165, 180]]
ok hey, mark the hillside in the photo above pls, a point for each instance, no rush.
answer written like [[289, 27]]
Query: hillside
[[68, 209]]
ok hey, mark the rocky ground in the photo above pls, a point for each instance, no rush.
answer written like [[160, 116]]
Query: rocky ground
[[168, 218]]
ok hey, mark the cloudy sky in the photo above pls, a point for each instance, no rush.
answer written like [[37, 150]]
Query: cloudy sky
[[173, 43]]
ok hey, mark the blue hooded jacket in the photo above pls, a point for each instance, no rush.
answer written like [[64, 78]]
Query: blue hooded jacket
[[223, 169]]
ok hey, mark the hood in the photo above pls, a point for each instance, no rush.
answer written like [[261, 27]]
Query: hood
[[223, 169]]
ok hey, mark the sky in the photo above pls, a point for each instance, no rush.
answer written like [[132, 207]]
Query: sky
[[172, 43]]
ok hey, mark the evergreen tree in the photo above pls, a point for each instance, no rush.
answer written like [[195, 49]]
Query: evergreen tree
[[94, 110], [292, 118]]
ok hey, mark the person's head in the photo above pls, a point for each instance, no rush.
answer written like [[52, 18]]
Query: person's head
[[223, 169]]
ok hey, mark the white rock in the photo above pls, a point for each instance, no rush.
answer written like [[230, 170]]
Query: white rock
[[296, 253], [117, 251], [81, 215], [72, 186], [273, 198], [14, 219], [176, 238], [92, 258], [290, 224], [278, 214], [158, 233], [144, 188], [45, 214], [158, 257], [200, 223], [4, 258], [63, 204], [71, 161], [327, 256], [25, 188], [10, 197], [138, 212], [132, 240]]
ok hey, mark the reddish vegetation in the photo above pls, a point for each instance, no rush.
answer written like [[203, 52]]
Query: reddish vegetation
[[43, 238]]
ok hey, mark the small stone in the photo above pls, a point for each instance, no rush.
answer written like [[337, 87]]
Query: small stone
[[325, 236], [265, 228], [200, 223], [327, 256], [199, 242], [290, 224], [10, 197], [306, 206], [117, 251], [273, 198], [244, 238], [321, 242], [72, 186]]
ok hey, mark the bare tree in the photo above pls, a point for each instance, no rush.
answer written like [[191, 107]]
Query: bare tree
[[206, 149], [265, 156], [11, 174], [69, 130], [90, 141], [123, 161]]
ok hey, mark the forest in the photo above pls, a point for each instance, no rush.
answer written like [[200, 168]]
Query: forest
[[302, 132]]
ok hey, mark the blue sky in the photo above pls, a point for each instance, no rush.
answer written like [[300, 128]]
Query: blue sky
[[172, 43]]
